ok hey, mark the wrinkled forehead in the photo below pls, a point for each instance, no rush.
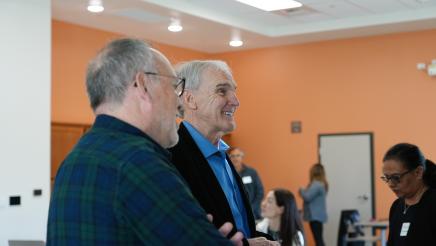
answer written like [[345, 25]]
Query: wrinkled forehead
[[217, 78]]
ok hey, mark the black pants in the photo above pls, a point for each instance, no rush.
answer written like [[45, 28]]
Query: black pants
[[316, 228]]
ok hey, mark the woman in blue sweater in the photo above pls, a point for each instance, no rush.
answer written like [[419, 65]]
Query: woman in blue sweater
[[314, 197]]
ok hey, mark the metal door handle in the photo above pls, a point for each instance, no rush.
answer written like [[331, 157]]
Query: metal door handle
[[363, 197]]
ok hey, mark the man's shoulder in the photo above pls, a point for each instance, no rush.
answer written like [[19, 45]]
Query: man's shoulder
[[111, 149], [121, 138], [185, 147], [248, 170], [183, 136]]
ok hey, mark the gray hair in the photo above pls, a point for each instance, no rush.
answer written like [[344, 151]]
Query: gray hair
[[193, 71], [114, 68]]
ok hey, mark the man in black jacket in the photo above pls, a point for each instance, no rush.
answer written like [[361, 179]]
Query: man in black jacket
[[209, 103]]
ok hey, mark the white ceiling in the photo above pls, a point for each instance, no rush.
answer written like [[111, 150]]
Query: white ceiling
[[209, 24]]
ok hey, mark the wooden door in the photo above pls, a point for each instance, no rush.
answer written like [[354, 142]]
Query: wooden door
[[63, 138]]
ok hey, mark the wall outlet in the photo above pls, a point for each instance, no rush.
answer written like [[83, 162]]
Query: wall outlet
[[37, 192], [14, 200], [296, 127]]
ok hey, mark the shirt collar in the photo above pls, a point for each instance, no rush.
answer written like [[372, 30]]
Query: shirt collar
[[110, 122], [206, 147]]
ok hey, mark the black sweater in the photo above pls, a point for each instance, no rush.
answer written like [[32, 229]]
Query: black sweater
[[419, 218]]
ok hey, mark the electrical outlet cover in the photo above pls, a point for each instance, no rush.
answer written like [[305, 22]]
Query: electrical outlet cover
[[14, 200]]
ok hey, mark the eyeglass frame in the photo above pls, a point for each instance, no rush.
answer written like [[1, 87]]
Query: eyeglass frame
[[181, 81], [395, 178]]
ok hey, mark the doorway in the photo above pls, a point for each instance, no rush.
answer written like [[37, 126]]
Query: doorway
[[349, 163]]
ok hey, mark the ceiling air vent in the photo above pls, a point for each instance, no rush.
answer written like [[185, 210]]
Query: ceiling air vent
[[295, 11]]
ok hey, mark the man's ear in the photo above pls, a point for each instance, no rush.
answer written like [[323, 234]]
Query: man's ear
[[141, 81], [189, 100], [140, 89]]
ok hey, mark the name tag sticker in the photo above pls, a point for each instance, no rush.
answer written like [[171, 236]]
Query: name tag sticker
[[247, 180], [404, 229]]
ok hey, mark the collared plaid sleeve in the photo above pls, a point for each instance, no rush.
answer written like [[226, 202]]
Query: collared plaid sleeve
[[152, 198]]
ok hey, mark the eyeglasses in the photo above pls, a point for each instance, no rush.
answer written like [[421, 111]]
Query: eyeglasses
[[395, 178], [179, 87]]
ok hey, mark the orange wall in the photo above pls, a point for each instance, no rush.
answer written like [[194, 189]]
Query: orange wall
[[351, 85], [72, 48]]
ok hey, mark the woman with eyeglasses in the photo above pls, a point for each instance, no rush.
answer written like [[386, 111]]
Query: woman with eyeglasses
[[412, 217]]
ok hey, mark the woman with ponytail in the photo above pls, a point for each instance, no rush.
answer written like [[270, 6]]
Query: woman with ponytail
[[412, 217]]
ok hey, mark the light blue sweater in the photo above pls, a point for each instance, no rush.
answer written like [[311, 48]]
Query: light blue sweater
[[314, 202]]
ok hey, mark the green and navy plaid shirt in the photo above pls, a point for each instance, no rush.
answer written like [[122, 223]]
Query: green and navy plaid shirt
[[117, 187]]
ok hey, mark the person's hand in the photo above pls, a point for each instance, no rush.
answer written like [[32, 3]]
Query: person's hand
[[236, 239], [261, 241], [225, 229]]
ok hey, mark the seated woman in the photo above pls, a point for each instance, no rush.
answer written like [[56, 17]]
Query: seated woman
[[281, 218]]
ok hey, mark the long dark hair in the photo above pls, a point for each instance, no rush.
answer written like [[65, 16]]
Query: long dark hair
[[290, 221], [411, 157]]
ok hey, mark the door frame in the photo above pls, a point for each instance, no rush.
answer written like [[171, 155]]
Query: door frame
[[371, 143]]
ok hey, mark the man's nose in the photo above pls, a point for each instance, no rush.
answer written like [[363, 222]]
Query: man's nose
[[234, 99]]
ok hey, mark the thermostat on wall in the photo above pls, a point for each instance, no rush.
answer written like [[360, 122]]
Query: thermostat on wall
[[296, 127]]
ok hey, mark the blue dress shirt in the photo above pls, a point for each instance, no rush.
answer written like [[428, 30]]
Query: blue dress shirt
[[216, 157]]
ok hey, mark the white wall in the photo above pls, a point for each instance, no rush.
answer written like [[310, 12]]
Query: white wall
[[25, 65]]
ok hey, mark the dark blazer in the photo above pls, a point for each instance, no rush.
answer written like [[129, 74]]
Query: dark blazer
[[254, 189], [195, 169]]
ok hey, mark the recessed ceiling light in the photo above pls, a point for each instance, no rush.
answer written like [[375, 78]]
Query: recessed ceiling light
[[272, 5], [236, 43], [95, 6], [175, 26]]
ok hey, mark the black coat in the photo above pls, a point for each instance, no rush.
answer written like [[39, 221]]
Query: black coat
[[195, 169], [254, 189]]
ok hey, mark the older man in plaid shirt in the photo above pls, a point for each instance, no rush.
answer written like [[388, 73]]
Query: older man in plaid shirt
[[117, 186]]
